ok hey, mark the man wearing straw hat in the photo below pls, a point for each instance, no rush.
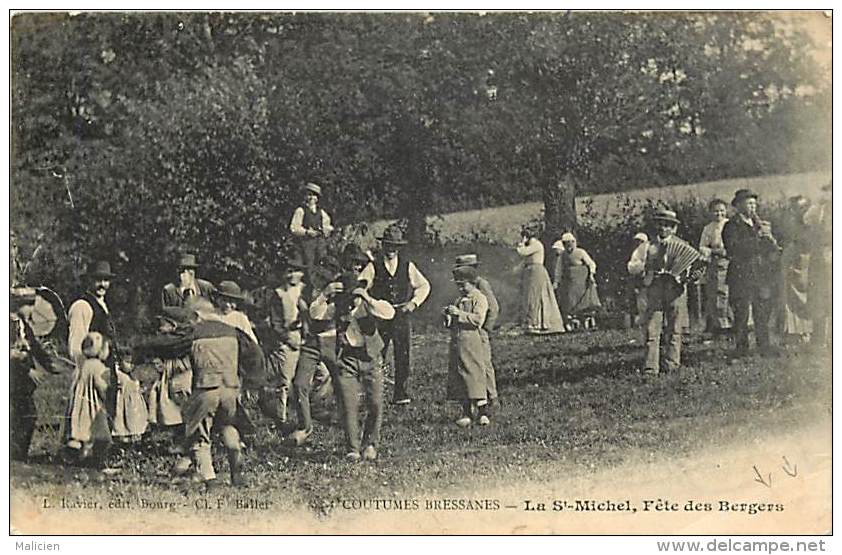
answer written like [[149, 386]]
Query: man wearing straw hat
[[665, 296], [395, 279], [187, 285], [749, 243], [310, 225]]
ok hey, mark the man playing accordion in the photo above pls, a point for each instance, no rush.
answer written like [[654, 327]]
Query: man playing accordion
[[670, 264]]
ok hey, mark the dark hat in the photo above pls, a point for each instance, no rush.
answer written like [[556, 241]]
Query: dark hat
[[293, 262], [466, 260], [393, 236], [231, 290], [100, 269], [741, 195], [330, 264], [353, 253], [187, 261], [465, 273], [313, 188], [664, 215]]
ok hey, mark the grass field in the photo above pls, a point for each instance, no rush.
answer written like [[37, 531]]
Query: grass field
[[572, 405]]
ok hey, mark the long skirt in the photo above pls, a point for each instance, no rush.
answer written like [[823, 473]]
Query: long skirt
[[540, 311], [718, 313], [131, 417], [577, 294], [168, 394], [86, 418], [796, 314], [467, 366]]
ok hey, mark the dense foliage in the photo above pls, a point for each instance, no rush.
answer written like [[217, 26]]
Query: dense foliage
[[136, 135]]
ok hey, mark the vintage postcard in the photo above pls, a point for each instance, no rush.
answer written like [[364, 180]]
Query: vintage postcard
[[427, 273]]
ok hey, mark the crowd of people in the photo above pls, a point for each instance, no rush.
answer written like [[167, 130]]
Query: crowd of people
[[322, 334]]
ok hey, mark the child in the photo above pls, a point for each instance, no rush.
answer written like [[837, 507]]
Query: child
[[488, 327], [468, 352], [664, 295], [88, 431], [131, 416]]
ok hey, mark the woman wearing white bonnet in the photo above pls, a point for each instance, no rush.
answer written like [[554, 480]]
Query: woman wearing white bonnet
[[575, 282]]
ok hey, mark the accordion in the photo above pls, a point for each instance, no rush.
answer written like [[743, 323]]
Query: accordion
[[679, 257]]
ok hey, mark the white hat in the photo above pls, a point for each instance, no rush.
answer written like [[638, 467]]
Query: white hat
[[558, 246], [640, 236], [567, 237]]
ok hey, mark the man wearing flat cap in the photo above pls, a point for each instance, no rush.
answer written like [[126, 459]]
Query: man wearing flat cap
[[186, 285], [310, 226], [397, 280], [750, 246]]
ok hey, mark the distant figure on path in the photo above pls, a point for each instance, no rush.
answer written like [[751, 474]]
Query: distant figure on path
[[539, 307]]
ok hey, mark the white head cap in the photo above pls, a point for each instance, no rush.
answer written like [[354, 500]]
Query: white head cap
[[640, 236], [567, 237]]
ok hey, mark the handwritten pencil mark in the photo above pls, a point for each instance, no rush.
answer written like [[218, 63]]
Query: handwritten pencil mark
[[791, 471], [760, 479]]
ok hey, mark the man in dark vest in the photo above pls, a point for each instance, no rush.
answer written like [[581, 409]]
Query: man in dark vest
[[310, 225], [750, 247], [186, 285], [397, 280], [358, 348], [90, 313]]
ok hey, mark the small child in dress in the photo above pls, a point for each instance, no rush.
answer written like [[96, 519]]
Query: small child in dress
[[468, 351], [88, 430]]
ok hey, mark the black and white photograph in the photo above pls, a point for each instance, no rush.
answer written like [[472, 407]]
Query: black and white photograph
[[420, 273]]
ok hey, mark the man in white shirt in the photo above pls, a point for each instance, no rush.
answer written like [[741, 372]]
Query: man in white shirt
[[90, 314], [310, 226], [358, 352], [398, 281]]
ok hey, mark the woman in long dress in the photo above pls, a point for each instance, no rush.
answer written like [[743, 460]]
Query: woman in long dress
[[718, 315], [540, 311], [575, 280]]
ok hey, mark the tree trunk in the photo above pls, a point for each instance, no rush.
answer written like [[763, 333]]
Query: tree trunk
[[559, 212]]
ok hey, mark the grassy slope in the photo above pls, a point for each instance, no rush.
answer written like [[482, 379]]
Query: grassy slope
[[572, 405]]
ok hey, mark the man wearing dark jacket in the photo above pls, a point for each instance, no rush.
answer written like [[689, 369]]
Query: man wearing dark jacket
[[29, 364], [751, 250], [224, 360]]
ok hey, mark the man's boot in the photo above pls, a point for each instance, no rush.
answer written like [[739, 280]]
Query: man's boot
[[235, 461]]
